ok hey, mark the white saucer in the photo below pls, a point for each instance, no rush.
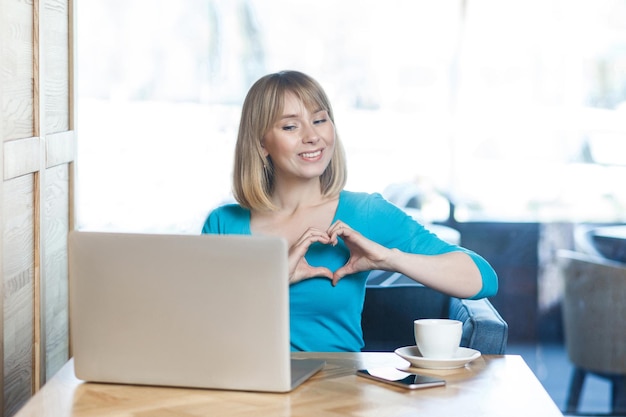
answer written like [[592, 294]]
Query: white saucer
[[462, 357]]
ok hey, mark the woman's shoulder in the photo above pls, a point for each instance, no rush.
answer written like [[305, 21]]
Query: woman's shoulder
[[363, 208], [361, 199], [233, 210], [227, 218], [358, 196]]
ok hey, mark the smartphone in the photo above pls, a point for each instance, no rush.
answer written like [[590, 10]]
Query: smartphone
[[400, 378]]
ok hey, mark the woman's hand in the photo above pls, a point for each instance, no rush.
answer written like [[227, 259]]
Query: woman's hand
[[453, 273], [299, 268], [365, 255]]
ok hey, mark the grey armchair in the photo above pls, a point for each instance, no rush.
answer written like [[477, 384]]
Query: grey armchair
[[593, 318], [389, 311]]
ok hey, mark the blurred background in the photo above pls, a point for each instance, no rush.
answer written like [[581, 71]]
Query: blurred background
[[516, 110]]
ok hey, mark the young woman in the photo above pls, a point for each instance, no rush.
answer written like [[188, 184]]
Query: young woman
[[289, 176]]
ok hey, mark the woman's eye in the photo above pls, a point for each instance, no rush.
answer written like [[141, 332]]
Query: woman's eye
[[289, 127], [319, 121]]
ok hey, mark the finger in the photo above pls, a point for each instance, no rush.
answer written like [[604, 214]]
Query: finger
[[335, 226], [342, 272], [316, 272], [338, 229], [321, 272], [337, 277], [305, 241], [315, 235]]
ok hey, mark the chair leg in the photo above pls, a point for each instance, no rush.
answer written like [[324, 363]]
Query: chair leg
[[618, 395], [575, 388]]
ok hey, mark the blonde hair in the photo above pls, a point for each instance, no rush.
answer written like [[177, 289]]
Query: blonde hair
[[253, 174]]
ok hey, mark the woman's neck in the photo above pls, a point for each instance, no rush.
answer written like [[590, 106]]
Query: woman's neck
[[291, 197], [298, 209]]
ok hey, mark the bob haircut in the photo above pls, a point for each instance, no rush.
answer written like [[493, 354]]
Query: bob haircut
[[253, 174]]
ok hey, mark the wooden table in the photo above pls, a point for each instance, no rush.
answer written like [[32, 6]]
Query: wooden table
[[489, 386]]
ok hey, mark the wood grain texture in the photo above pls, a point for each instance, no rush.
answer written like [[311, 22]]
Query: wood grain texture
[[53, 89], [490, 386], [56, 61], [18, 284], [36, 148], [16, 200], [21, 157], [16, 69], [54, 287], [60, 148]]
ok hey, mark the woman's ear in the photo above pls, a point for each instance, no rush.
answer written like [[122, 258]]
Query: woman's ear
[[265, 152]]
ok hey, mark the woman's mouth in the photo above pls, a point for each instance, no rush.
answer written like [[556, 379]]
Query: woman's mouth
[[311, 155]]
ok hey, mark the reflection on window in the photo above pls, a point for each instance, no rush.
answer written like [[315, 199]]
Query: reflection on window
[[513, 110]]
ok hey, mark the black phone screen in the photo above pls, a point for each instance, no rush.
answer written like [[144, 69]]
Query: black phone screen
[[400, 378]]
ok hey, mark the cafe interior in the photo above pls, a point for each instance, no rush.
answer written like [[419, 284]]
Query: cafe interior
[[499, 125]]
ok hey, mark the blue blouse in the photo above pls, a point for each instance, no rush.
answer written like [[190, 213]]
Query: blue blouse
[[324, 318]]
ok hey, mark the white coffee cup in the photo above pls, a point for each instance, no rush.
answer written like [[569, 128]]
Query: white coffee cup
[[438, 338]]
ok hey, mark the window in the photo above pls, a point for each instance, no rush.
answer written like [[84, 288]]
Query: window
[[514, 110]]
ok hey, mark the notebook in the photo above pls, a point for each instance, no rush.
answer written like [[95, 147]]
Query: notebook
[[203, 311]]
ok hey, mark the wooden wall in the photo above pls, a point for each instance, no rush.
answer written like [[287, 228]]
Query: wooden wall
[[36, 161]]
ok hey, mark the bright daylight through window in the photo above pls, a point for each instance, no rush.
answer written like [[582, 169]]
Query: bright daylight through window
[[513, 110]]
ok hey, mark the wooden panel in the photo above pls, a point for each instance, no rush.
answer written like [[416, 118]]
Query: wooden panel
[[56, 65], [60, 148], [36, 147], [16, 69], [21, 156], [18, 289], [55, 226]]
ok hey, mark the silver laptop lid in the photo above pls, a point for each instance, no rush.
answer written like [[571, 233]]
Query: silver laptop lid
[[207, 311]]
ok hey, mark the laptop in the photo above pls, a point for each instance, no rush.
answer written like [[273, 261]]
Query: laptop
[[201, 311]]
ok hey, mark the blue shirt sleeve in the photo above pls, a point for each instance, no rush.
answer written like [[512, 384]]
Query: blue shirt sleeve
[[390, 226]]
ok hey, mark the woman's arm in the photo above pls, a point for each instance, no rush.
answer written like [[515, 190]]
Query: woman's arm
[[455, 273]]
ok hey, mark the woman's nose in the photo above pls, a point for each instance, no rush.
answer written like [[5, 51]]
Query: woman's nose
[[310, 135]]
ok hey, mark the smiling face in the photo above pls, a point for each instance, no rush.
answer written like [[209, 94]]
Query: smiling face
[[270, 150], [301, 142]]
